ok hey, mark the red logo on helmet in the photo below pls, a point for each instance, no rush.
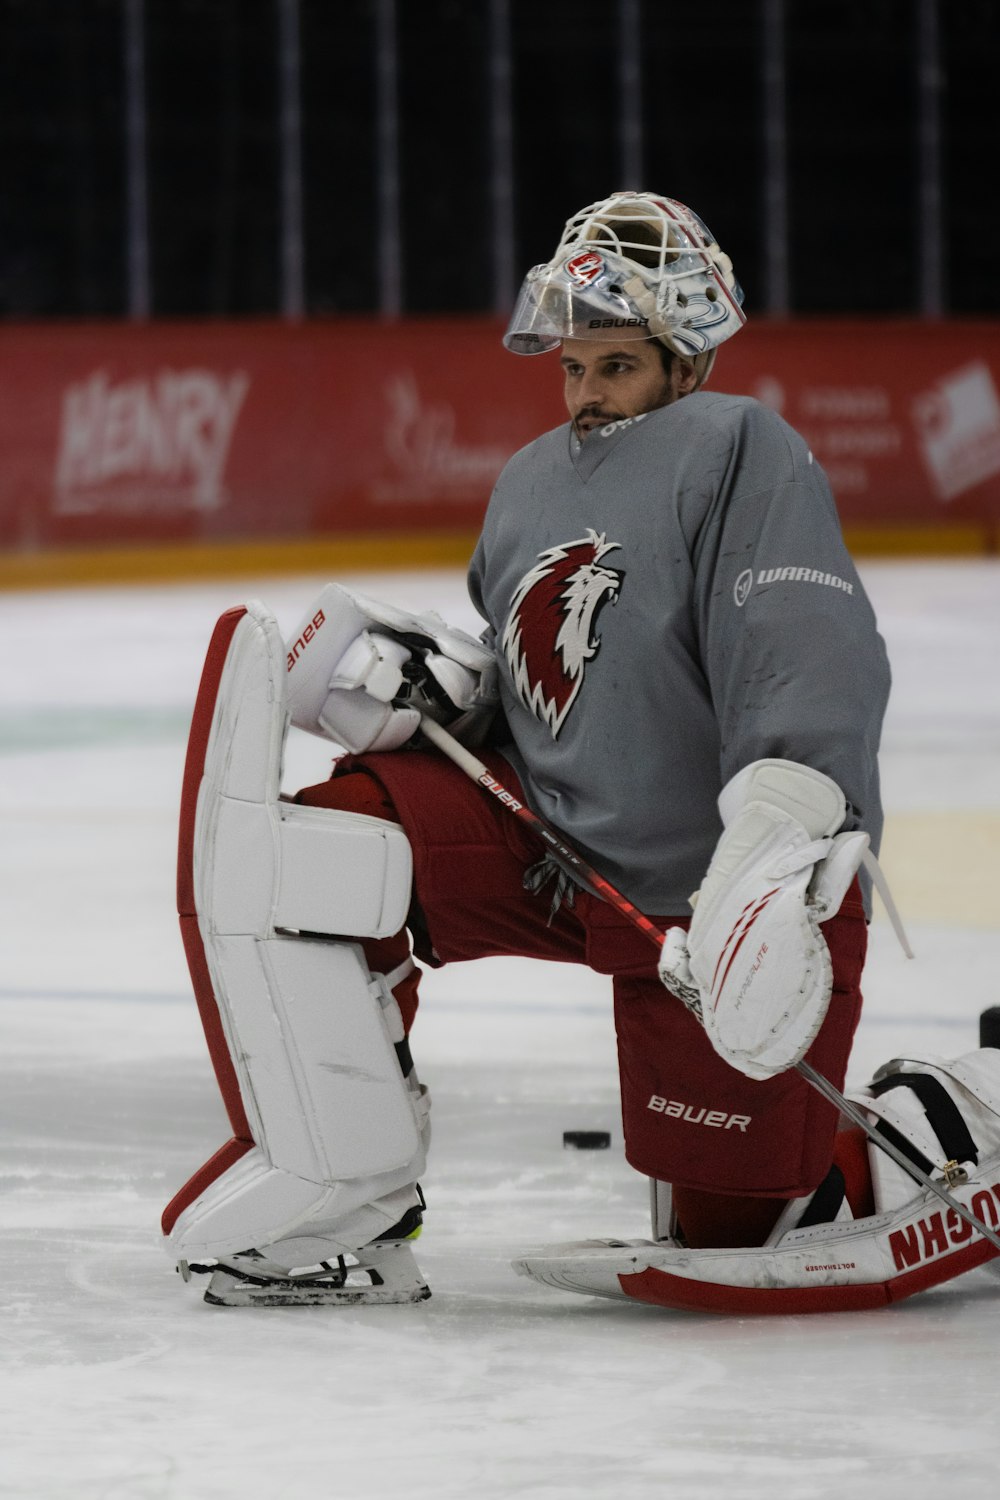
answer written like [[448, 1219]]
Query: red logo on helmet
[[585, 268], [549, 636]]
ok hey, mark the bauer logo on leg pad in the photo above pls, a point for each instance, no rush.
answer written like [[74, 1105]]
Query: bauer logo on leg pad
[[717, 1119], [299, 645]]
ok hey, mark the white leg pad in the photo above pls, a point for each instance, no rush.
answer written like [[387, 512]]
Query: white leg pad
[[300, 1222], [320, 1078], [310, 1030], [262, 865]]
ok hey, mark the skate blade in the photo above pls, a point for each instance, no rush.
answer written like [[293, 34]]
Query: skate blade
[[225, 1290], [230, 1293]]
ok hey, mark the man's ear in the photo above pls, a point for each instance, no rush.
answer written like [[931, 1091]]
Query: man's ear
[[686, 377]]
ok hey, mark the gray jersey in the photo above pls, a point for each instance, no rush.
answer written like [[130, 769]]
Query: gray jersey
[[670, 600]]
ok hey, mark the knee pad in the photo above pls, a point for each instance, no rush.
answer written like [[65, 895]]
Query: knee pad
[[302, 1035]]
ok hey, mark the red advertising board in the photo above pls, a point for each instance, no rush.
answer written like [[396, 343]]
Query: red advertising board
[[209, 432], [904, 417]]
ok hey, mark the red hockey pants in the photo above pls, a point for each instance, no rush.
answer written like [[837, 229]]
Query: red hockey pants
[[688, 1117]]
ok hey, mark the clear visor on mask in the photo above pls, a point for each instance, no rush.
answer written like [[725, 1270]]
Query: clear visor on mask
[[583, 297]]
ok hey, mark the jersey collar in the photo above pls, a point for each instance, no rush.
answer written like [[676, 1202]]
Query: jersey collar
[[590, 453]]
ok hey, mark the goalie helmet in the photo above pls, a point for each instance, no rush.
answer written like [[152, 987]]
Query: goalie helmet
[[633, 266]]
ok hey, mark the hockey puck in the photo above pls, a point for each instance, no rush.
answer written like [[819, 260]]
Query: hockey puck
[[586, 1140], [989, 1027]]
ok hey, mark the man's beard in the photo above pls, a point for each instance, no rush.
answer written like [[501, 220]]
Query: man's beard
[[597, 418]]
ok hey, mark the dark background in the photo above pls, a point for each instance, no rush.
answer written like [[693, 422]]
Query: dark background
[[213, 157]]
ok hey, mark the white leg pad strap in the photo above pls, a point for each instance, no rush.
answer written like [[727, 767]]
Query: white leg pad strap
[[310, 1030]]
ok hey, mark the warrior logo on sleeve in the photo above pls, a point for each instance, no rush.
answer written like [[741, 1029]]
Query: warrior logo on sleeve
[[549, 636]]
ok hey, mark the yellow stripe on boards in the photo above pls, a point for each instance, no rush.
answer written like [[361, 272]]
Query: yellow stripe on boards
[[186, 562], [913, 540], [371, 551]]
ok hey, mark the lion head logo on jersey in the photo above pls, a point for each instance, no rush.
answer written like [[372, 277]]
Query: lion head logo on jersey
[[549, 636]]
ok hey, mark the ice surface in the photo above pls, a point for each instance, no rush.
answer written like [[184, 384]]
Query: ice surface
[[118, 1383]]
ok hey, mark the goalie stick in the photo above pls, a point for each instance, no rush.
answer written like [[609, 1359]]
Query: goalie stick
[[569, 860]]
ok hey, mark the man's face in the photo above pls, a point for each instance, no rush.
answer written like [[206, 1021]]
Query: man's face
[[606, 382]]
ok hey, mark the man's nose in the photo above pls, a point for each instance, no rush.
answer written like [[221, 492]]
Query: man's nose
[[591, 389]]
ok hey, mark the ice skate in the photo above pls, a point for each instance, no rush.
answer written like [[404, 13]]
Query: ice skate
[[384, 1271], [819, 1257]]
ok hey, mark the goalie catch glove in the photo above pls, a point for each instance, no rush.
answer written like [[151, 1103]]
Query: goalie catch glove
[[362, 673], [754, 965]]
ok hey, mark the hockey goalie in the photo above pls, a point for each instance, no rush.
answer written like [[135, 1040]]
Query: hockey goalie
[[680, 678]]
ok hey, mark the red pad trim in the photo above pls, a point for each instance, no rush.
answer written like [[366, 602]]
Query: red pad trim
[[211, 1021], [223, 1159], [665, 1290], [194, 764], [758, 909], [208, 1008]]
